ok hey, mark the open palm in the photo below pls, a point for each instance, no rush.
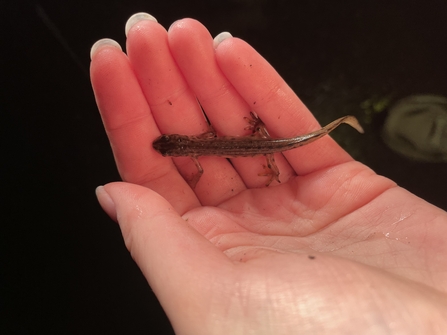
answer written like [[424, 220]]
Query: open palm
[[334, 248]]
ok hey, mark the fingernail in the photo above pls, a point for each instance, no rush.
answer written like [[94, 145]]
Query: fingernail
[[106, 202], [137, 18], [173, 24], [103, 42], [221, 37]]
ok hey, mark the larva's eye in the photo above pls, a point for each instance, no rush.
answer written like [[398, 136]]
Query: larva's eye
[[165, 138]]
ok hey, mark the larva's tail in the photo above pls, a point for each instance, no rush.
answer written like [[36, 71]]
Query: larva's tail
[[349, 119]]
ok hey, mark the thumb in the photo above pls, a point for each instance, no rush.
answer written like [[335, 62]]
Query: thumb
[[175, 259]]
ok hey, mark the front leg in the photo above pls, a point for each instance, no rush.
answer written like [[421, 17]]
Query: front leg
[[196, 177], [211, 133]]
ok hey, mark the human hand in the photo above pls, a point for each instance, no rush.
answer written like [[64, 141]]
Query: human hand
[[334, 248]]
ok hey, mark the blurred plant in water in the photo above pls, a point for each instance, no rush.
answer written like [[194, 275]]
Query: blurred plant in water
[[374, 105]]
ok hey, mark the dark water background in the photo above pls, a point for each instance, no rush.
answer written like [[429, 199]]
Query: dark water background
[[64, 268]]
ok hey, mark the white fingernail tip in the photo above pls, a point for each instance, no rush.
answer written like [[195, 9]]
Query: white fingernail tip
[[219, 38], [103, 42], [137, 18]]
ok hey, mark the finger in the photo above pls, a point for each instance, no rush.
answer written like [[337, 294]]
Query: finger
[[278, 106], [192, 47], [131, 128], [175, 108], [180, 265]]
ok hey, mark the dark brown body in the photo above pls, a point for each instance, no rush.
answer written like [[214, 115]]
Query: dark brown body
[[231, 146], [259, 143]]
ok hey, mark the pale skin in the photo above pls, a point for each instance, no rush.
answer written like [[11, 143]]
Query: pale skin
[[333, 249]]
